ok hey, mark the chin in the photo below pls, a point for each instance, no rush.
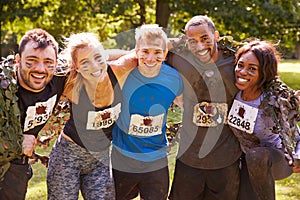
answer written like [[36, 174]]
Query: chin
[[240, 87], [204, 59]]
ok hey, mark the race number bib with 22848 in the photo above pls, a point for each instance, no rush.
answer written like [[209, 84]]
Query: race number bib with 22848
[[242, 116]]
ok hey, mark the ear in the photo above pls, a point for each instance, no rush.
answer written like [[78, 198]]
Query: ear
[[217, 35], [165, 54], [136, 51], [17, 60]]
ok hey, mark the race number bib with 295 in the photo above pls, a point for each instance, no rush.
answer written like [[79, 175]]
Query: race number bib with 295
[[210, 114]]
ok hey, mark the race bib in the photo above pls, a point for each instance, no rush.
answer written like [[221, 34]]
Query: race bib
[[210, 114], [242, 116], [104, 118], [145, 126], [39, 113]]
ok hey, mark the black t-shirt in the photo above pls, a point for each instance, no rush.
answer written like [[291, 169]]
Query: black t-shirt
[[208, 90], [91, 127], [36, 108]]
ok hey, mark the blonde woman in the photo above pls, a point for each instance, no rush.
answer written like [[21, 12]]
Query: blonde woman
[[80, 158]]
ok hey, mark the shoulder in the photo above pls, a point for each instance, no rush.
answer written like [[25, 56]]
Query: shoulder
[[168, 70], [59, 80]]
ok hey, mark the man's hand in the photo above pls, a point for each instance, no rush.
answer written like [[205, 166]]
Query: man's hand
[[297, 94], [296, 164], [29, 144], [296, 169]]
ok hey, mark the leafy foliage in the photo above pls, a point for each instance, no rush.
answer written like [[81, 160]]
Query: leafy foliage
[[272, 20], [11, 136], [282, 105], [51, 130]]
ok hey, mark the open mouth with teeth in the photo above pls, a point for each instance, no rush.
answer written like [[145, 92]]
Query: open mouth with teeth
[[242, 80], [150, 65], [38, 77], [97, 73], [202, 52]]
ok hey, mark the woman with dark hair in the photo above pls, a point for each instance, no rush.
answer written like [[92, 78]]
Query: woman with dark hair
[[264, 118]]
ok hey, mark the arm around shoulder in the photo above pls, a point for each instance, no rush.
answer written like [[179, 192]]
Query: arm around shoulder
[[124, 64]]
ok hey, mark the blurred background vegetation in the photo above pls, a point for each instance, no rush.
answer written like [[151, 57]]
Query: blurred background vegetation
[[275, 20], [115, 20]]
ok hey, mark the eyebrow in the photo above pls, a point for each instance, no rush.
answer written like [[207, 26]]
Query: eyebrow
[[35, 57], [98, 55], [83, 60], [254, 65], [201, 36], [251, 64], [155, 49]]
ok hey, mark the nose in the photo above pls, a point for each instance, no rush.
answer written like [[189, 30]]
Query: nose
[[243, 71], [200, 45], [94, 64], [151, 56], [40, 67]]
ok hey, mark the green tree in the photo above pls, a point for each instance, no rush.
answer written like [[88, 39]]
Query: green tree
[[267, 19], [13, 11]]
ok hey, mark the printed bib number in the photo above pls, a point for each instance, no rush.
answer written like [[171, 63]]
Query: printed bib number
[[103, 119], [242, 116], [210, 114], [145, 126], [39, 113]]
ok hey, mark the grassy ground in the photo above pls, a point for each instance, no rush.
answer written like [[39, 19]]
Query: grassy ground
[[288, 188]]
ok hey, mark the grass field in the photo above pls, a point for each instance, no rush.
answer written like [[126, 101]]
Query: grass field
[[288, 188]]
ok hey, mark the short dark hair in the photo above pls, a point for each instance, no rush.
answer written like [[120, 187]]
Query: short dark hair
[[200, 20], [39, 36], [267, 56]]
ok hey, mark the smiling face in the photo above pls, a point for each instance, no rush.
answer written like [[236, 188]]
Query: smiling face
[[247, 74], [202, 42], [36, 66], [90, 63], [150, 55]]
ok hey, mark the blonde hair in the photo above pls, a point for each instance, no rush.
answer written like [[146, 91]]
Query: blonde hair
[[150, 32], [73, 43]]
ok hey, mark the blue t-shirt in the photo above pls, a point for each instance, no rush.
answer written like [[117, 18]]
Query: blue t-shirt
[[140, 131]]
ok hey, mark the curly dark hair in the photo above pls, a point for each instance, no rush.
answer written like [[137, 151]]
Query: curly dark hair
[[41, 37], [267, 56]]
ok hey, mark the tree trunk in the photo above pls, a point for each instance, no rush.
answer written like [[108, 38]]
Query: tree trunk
[[162, 13], [142, 12], [297, 52], [0, 40]]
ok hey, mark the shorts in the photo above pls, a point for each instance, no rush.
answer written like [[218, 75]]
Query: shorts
[[151, 183], [261, 166], [208, 184], [15, 183]]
